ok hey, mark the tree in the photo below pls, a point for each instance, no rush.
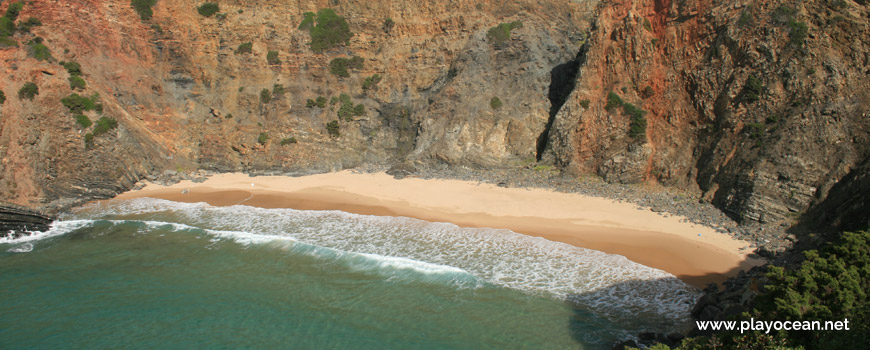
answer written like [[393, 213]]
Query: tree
[[333, 129], [76, 82]]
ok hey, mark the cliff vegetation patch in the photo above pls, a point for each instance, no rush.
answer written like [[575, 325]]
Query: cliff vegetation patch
[[208, 9], [328, 30], [501, 33], [143, 8]]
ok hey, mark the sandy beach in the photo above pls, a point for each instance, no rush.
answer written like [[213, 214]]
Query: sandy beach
[[696, 254]]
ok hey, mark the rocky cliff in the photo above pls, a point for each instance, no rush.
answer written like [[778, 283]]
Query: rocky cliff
[[759, 106]]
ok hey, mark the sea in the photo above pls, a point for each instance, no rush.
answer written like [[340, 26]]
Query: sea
[[150, 273]]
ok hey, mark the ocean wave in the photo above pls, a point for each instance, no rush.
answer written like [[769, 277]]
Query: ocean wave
[[609, 285]]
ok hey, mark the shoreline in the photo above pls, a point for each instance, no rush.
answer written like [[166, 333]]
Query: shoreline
[[696, 254]]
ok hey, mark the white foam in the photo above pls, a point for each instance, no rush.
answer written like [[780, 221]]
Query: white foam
[[56, 228], [607, 284]]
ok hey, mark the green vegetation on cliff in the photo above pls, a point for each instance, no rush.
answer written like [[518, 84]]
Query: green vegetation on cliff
[[637, 123], [245, 48], [831, 284], [13, 10], [288, 140], [495, 103], [76, 82], [208, 9], [371, 81], [83, 121], [330, 30], [333, 129], [272, 57], [2, 97], [78, 104], [28, 91], [339, 66], [501, 33], [143, 8]]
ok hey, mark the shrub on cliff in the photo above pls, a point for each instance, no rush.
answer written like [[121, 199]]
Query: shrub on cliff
[[331, 30], [333, 129], [388, 25], [2, 97], [752, 89], [37, 50], [76, 82], [502, 33], [359, 110], [831, 284], [78, 104], [272, 57], [307, 21], [797, 33], [263, 138], [278, 90], [288, 140], [245, 48], [13, 10], [495, 102], [345, 112], [143, 8], [83, 121], [339, 66], [208, 9], [28, 91], [71, 67], [27, 25], [104, 125], [371, 81], [265, 96], [7, 27], [637, 120]]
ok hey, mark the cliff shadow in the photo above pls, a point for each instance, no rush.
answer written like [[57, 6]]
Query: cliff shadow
[[637, 312], [563, 79]]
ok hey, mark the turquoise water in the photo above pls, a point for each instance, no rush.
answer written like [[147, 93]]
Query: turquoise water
[[150, 273]]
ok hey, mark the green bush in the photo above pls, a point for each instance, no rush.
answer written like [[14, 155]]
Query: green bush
[[637, 122], [38, 51], [307, 21], [29, 24], [502, 33], [333, 129], [359, 110], [344, 98], [495, 103], [752, 89], [371, 81], [13, 10], [208, 9], [83, 121], [388, 25], [830, 284], [78, 104], [2, 97], [339, 66], [143, 8], [345, 112], [72, 67], [647, 25], [797, 34], [320, 102], [585, 104], [754, 130], [613, 101], [637, 125], [104, 124], [76, 82], [278, 90], [272, 57], [7, 27], [28, 91], [330, 31], [245, 48], [89, 140], [288, 140], [263, 138], [265, 96]]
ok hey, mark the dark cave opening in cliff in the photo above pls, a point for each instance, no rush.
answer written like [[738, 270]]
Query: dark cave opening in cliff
[[562, 80]]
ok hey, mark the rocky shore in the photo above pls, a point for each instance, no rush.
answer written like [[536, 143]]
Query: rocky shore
[[16, 221]]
